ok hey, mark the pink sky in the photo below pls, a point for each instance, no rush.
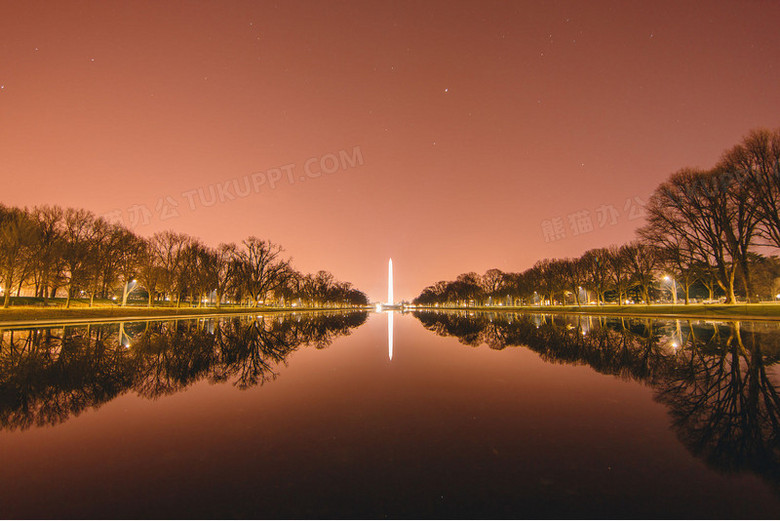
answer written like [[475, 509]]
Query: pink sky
[[476, 121]]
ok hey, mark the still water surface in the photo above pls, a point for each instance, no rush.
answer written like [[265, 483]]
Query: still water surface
[[478, 415]]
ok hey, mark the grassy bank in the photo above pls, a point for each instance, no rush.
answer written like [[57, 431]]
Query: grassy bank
[[34, 315], [762, 311]]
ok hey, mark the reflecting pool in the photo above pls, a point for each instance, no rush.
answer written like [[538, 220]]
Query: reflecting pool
[[420, 414]]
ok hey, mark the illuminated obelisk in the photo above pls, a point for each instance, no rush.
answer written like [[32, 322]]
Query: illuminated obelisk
[[390, 282]]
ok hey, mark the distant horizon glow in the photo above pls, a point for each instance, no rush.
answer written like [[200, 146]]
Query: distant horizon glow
[[486, 135]]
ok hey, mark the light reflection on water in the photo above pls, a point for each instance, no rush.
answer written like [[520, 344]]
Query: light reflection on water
[[390, 334], [498, 414]]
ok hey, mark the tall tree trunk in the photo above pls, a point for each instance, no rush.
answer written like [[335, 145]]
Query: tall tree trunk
[[45, 288], [746, 280], [7, 292], [731, 298]]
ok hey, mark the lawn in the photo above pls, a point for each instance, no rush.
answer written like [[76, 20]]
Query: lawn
[[764, 310], [27, 309]]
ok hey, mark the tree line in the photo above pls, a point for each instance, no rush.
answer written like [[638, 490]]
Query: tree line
[[714, 230], [49, 251]]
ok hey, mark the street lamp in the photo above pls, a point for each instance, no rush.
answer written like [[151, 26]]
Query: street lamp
[[667, 278], [127, 291], [583, 293]]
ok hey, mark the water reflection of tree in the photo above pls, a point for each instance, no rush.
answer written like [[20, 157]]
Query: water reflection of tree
[[50, 375], [725, 407], [713, 377]]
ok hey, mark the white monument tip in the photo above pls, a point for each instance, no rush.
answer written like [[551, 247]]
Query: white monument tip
[[390, 282]]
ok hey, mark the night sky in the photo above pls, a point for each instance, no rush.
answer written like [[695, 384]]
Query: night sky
[[450, 136]]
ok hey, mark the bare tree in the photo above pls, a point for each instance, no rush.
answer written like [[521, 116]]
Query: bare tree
[[493, 282], [48, 250], [102, 261], [595, 265], [740, 222], [168, 249], [756, 161], [691, 208], [573, 275], [262, 268], [78, 235], [224, 270], [18, 235], [619, 266], [129, 253], [642, 262], [545, 274], [150, 272], [675, 255]]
